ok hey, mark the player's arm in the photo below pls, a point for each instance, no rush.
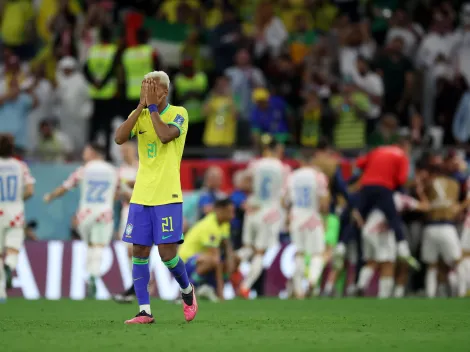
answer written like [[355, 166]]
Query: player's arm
[[229, 255], [125, 130], [70, 183], [165, 132], [28, 181], [323, 194]]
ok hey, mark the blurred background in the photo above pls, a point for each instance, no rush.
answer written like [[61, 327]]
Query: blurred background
[[360, 72]]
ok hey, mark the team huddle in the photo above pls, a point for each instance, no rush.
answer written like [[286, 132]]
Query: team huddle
[[325, 220]]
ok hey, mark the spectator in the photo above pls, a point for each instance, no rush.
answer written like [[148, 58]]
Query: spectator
[[404, 28], [270, 32], [369, 83], [192, 50], [287, 81], [461, 120], [15, 106], [221, 116], [398, 78], [355, 41], [224, 41], [386, 132], [301, 39], [417, 131], [269, 116], [53, 145], [170, 8], [63, 28], [311, 123], [17, 27], [350, 109], [324, 14], [101, 76], [319, 67], [74, 103], [211, 190], [190, 90], [462, 43], [48, 10], [242, 188], [244, 77]]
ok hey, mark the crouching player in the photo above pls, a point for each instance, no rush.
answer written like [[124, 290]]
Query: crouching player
[[307, 193], [16, 185], [201, 249], [98, 181], [379, 245]]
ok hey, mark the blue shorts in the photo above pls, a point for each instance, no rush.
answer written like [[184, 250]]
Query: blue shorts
[[159, 224]]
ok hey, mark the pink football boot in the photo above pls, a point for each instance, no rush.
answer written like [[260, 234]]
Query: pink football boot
[[141, 318], [190, 311]]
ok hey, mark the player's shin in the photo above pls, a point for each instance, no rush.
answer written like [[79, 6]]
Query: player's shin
[[11, 258], [316, 269], [385, 286], [255, 272], [3, 293], [461, 277], [365, 275], [141, 277], [177, 268], [431, 281], [299, 275]]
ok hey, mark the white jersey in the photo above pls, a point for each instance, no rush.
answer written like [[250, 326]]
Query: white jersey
[[99, 182], [269, 180], [377, 222], [305, 186], [14, 176]]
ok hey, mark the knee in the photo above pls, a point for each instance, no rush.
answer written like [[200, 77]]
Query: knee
[[167, 251], [141, 251]]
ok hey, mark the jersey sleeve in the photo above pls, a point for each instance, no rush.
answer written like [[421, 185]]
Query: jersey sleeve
[[136, 126], [28, 179], [322, 181], [361, 162], [73, 179], [409, 203], [181, 121]]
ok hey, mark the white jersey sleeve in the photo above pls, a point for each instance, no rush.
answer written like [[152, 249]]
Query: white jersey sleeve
[[404, 202], [74, 179], [28, 179]]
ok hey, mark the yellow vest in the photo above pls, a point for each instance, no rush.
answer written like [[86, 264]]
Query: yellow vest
[[137, 61], [100, 60]]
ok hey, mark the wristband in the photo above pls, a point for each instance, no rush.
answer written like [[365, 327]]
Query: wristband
[[153, 108]]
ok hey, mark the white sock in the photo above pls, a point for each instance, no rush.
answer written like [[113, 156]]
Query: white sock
[[461, 276], [94, 255], [255, 272], [351, 290], [453, 279], [403, 249], [431, 282], [145, 308], [316, 269], [399, 291], [3, 292], [328, 289], [365, 275], [298, 274], [385, 287], [11, 260], [187, 289]]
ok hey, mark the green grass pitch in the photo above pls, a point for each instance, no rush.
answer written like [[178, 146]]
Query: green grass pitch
[[243, 326]]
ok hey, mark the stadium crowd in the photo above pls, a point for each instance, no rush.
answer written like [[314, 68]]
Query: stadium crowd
[[359, 74]]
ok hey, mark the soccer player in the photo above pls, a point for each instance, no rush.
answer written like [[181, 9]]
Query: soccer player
[[440, 238], [307, 193], [127, 175], [384, 170], [156, 209], [379, 245], [201, 249], [99, 182], [264, 218], [16, 185]]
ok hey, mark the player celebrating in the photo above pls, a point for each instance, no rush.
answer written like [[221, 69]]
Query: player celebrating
[[98, 181], [127, 175], [201, 250], [156, 209], [307, 192], [264, 219], [16, 185], [380, 245]]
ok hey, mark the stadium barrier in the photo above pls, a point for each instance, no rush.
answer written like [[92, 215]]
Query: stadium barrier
[[56, 270]]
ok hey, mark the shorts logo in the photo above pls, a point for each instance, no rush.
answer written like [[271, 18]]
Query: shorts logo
[[129, 229]]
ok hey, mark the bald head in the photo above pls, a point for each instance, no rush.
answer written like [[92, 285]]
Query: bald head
[[213, 178]]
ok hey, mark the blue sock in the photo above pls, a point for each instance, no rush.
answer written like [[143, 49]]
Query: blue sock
[[177, 268], [141, 276]]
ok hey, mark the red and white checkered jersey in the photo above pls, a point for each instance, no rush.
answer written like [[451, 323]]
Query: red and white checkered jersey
[[269, 181], [98, 181], [305, 186], [377, 222], [14, 176]]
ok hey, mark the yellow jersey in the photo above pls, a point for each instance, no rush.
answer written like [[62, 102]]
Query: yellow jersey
[[206, 233], [158, 178]]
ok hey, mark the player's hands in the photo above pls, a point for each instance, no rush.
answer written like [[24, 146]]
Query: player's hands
[[155, 93], [47, 198], [143, 93]]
